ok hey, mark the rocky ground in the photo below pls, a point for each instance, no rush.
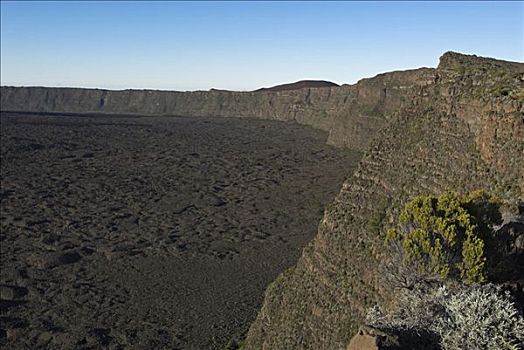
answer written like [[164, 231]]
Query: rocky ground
[[152, 232]]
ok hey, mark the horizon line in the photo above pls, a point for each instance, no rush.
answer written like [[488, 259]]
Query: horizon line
[[256, 89]]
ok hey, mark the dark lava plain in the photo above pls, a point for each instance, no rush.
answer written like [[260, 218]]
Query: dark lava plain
[[152, 232]]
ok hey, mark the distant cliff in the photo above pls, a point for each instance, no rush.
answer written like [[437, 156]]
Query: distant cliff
[[351, 114], [302, 84], [459, 126]]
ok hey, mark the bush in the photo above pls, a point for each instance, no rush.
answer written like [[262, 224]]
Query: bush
[[469, 317], [482, 317], [449, 236]]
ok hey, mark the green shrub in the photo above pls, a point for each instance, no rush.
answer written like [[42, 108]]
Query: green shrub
[[448, 236]]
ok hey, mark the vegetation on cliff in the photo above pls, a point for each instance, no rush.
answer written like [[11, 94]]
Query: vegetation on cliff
[[446, 236], [454, 318], [444, 130], [439, 260]]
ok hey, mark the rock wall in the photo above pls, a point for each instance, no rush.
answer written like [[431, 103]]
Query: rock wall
[[351, 114], [459, 126], [463, 130]]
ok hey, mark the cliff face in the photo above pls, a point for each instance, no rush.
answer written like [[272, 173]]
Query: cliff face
[[459, 126], [461, 130], [351, 114]]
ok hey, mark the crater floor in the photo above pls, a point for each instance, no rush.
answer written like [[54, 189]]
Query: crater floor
[[152, 232]]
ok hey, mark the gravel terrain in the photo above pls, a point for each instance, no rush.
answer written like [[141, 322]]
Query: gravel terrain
[[127, 232]]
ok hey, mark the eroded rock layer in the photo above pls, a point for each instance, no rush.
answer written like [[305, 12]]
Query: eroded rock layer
[[463, 130]]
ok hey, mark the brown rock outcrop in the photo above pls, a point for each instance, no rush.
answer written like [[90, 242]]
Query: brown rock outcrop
[[368, 338]]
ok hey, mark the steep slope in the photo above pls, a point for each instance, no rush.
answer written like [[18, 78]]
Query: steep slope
[[458, 133]]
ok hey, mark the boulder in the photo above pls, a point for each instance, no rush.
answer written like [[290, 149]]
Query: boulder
[[369, 338]]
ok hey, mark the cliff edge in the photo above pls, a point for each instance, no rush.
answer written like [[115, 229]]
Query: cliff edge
[[463, 129]]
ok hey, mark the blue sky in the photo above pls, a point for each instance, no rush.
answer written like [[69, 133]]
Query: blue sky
[[242, 45]]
